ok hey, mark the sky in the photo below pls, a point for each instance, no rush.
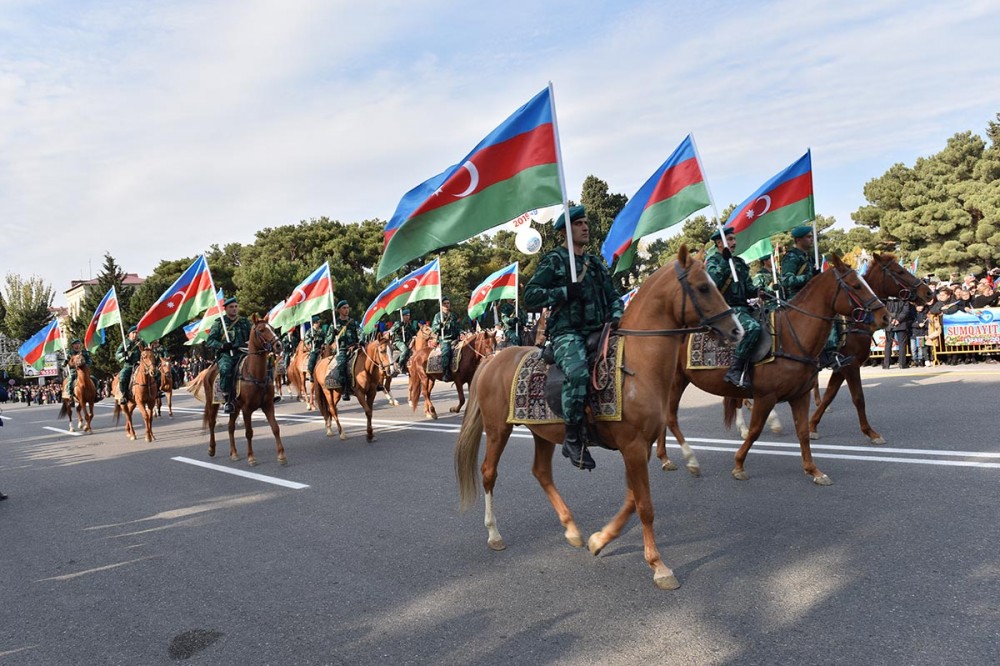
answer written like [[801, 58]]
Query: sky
[[151, 130]]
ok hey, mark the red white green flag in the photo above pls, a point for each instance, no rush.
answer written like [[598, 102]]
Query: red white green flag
[[511, 171], [313, 296], [198, 332], [423, 284], [186, 298], [498, 286], [107, 314], [46, 341]]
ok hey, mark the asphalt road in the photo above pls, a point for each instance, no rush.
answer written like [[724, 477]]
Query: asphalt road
[[114, 552]]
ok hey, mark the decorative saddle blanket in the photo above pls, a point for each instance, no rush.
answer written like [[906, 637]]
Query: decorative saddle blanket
[[219, 398], [434, 359], [706, 351], [332, 380], [528, 404]]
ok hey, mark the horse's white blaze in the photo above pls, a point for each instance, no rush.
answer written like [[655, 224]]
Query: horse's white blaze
[[491, 521]]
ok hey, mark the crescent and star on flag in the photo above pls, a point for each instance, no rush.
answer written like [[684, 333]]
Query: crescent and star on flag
[[473, 180], [751, 212]]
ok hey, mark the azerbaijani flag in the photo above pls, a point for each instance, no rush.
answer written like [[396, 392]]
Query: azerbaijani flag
[[825, 264], [190, 295], [198, 331], [107, 314], [420, 285], [781, 203], [671, 194], [273, 312], [513, 170], [627, 298], [758, 250], [498, 286], [312, 296], [46, 341]]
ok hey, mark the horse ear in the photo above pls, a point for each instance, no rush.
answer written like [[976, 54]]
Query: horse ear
[[254, 318], [836, 260], [683, 256]]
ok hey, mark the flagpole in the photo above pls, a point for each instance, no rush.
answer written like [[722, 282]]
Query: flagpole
[[517, 287], [562, 184], [774, 273], [816, 245], [121, 324], [715, 211], [215, 295], [440, 292]]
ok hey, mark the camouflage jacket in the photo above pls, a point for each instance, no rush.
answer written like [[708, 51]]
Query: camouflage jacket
[[796, 270], [762, 280], [547, 288], [447, 328], [345, 332], [404, 333], [735, 293], [128, 352], [87, 361], [239, 334]]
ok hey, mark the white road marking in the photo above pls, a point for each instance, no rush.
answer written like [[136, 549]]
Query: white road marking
[[5, 418], [96, 569], [294, 485], [844, 456], [833, 447], [63, 432]]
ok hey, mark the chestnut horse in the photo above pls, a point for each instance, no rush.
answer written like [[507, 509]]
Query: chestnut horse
[[298, 372], [679, 294], [143, 395], [371, 365], [887, 279], [256, 392], [477, 347], [84, 394], [802, 327], [167, 386]]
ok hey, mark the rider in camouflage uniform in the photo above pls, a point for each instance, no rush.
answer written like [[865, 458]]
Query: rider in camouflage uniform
[[736, 295], [576, 310], [128, 355], [315, 336], [228, 354], [448, 328], [347, 334], [763, 279], [289, 345], [511, 322], [402, 334], [797, 269], [75, 347], [160, 354]]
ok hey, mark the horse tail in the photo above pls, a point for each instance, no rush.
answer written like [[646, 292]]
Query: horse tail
[[467, 449], [118, 412], [319, 398], [729, 407], [66, 410]]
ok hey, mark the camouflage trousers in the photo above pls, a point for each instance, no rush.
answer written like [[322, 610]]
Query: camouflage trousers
[[446, 354], [570, 350], [124, 379], [403, 351], [313, 357], [513, 339], [343, 372], [227, 368], [751, 332]]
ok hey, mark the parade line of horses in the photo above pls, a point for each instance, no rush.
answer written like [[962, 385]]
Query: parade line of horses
[[677, 302]]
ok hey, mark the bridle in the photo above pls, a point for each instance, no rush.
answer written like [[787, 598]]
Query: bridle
[[863, 309], [270, 346], [907, 289], [704, 322]]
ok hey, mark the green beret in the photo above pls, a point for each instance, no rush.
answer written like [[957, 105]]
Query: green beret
[[229, 301], [342, 303], [315, 317], [575, 213], [799, 232], [716, 236], [76, 341], [405, 311], [134, 327], [445, 299]]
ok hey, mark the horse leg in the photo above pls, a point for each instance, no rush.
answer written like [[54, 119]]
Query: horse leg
[[248, 431], [129, 428], [170, 403], [762, 406], [233, 454], [853, 375], [268, 410], [461, 397], [832, 387], [147, 419], [740, 421], [673, 408], [429, 411], [542, 471], [211, 414], [367, 400], [800, 414]]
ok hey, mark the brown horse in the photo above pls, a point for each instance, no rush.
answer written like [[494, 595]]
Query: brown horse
[[887, 279], [298, 374], [143, 395], [370, 366], [167, 386], [84, 394], [477, 347], [802, 327], [680, 294], [256, 392]]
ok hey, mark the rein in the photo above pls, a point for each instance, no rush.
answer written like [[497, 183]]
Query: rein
[[705, 323], [907, 290]]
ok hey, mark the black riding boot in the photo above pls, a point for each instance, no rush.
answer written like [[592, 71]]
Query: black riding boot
[[345, 388], [739, 374], [445, 369], [574, 449], [834, 360], [230, 405]]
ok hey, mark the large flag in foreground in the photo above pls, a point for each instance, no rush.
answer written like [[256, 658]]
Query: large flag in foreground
[[107, 314], [273, 312], [671, 194], [186, 298], [781, 203], [420, 285], [498, 286], [197, 332], [511, 171], [46, 341], [313, 296]]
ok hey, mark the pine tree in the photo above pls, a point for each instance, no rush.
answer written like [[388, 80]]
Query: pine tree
[[111, 275]]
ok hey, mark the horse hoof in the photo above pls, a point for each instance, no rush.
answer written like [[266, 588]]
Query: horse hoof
[[878, 440], [72, 429], [594, 545], [574, 540], [252, 462], [343, 437], [497, 545], [131, 438], [743, 431], [778, 430], [211, 453], [814, 435], [669, 582], [282, 460], [669, 466], [371, 438], [455, 410], [234, 457], [822, 480], [694, 470], [740, 475]]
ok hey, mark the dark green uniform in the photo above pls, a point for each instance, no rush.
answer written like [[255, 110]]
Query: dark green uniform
[[763, 279], [736, 295], [314, 339], [402, 335], [797, 268], [347, 334], [448, 327], [289, 344], [511, 322], [128, 355], [71, 372], [569, 323], [239, 336], [160, 354]]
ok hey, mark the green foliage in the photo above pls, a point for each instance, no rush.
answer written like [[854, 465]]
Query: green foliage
[[111, 275], [26, 303]]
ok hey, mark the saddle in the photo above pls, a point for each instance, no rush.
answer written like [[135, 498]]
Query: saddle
[[708, 351], [332, 379], [219, 398], [434, 359]]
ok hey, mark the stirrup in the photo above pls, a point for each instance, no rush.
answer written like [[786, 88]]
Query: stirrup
[[228, 408], [574, 449]]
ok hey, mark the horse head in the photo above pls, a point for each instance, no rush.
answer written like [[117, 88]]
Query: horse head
[[853, 297], [263, 339], [888, 279], [76, 361]]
